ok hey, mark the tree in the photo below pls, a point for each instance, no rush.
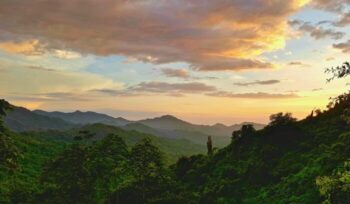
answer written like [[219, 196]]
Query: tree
[[245, 131], [280, 119], [339, 71], [336, 188], [107, 163], [66, 178], [210, 146], [150, 182], [9, 153], [84, 135]]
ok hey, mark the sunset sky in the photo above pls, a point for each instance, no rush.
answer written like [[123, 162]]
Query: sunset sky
[[204, 61]]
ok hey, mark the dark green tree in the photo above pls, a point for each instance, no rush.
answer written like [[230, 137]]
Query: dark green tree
[[108, 166], [210, 146], [66, 178], [245, 131], [336, 188], [280, 119], [150, 182]]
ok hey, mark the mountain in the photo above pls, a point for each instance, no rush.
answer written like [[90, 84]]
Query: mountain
[[167, 126], [79, 117], [172, 127], [20, 119], [169, 122]]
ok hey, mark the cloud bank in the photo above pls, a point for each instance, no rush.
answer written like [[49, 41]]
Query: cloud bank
[[210, 36]]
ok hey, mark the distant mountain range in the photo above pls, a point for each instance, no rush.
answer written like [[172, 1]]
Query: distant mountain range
[[20, 119]]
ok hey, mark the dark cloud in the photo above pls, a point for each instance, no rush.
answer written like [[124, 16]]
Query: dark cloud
[[331, 5], [230, 64], [164, 87], [344, 20], [180, 89], [38, 68], [317, 32], [258, 95], [258, 82], [180, 73], [171, 89], [344, 47], [210, 35]]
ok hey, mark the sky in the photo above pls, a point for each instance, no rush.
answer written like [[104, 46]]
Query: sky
[[204, 61]]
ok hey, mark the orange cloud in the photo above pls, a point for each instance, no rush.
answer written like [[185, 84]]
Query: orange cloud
[[28, 47], [210, 35]]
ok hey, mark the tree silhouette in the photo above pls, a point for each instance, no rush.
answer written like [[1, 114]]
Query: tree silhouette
[[279, 119], [210, 146], [339, 71]]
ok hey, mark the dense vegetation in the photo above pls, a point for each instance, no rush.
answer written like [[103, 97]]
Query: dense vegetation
[[288, 161]]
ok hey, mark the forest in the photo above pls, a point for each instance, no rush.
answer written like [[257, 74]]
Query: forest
[[288, 161]]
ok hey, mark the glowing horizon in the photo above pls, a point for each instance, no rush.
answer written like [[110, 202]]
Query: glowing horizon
[[206, 63]]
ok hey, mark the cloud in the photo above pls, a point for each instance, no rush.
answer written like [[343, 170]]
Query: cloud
[[180, 89], [27, 47], [330, 59], [317, 32], [258, 95], [297, 63], [64, 54], [211, 35], [164, 87], [171, 89], [331, 5], [344, 47], [179, 73], [344, 20], [230, 64], [258, 82], [38, 68], [54, 96]]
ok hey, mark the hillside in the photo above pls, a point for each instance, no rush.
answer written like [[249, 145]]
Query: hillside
[[279, 164], [173, 148], [20, 119]]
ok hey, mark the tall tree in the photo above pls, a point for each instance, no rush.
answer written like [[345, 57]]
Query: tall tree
[[210, 146], [66, 178], [107, 165]]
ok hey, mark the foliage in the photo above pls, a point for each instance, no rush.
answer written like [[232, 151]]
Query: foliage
[[278, 164], [8, 152], [336, 188], [281, 119], [338, 71]]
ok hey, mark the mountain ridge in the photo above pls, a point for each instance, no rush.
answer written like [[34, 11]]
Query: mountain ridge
[[166, 126]]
